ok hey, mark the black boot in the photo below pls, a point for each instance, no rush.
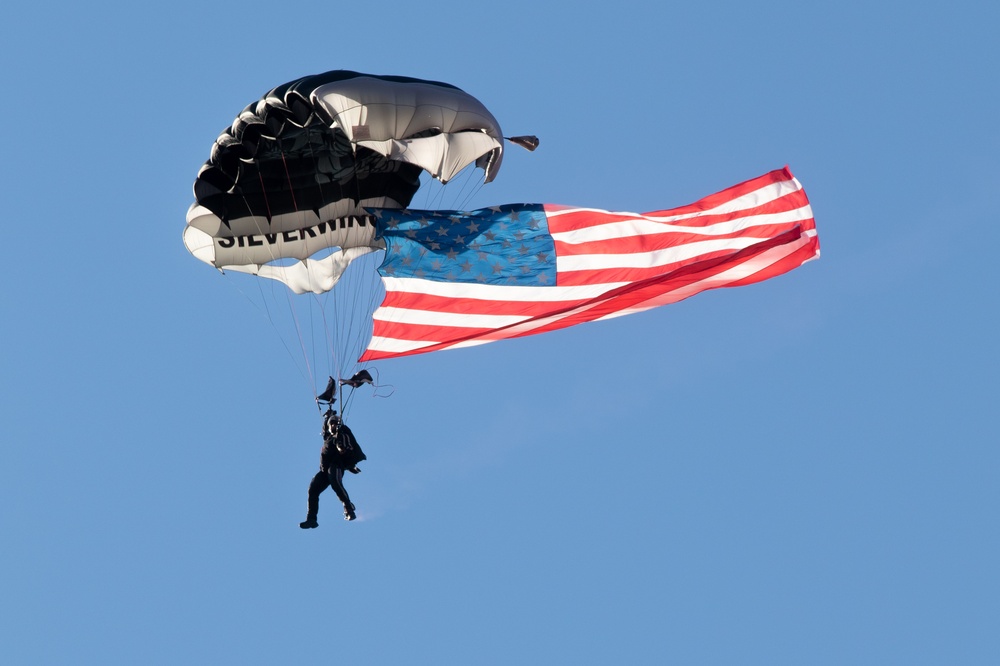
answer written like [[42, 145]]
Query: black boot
[[349, 512], [309, 523]]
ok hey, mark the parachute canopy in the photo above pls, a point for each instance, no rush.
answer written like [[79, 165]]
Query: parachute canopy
[[289, 181]]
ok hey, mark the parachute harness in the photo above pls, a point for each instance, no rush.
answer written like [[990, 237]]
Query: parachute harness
[[334, 387]]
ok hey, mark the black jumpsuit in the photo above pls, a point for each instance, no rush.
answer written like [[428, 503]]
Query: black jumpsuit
[[333, 461]]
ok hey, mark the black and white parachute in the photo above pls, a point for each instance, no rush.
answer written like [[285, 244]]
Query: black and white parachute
[[285, 193], [293, 174]]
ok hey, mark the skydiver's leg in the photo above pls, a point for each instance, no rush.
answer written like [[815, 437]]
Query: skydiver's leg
[[319, 483], [336, 477]]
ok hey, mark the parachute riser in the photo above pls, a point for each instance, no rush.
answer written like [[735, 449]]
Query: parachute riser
[[335, 389]]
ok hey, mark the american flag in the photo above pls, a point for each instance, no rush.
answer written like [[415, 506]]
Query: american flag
[[456, 279]]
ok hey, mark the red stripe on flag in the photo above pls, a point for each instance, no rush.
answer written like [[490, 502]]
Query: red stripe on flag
[[659, 266]]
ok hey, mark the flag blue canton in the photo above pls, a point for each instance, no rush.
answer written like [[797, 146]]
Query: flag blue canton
[[506, 245]]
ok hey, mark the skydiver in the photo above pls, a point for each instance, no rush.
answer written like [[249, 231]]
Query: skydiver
[[341, 452]]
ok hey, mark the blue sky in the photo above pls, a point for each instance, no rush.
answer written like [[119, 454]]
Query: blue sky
[[800, 471]]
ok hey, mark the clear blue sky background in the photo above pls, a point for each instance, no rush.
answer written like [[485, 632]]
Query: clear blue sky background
[[803, 471]]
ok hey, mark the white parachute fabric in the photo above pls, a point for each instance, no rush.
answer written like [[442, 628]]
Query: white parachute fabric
[[314, 275], [440, 129], [289, 255]]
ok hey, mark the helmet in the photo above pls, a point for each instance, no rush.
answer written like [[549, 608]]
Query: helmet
[[331, 422]]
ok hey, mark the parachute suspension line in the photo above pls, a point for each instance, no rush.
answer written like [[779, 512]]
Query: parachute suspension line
[[341, 312], [463, 199], [262, 307], [330, 342], [329, 305], [263, 190], [302, 343], [345, 307], [289, 297], [308, 376], [362, 303], [435, 198], [361, 292], [345, 403], [317, 310], [288, 177], [432, 191], [330, 334], [264, 304], [315, 353]]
